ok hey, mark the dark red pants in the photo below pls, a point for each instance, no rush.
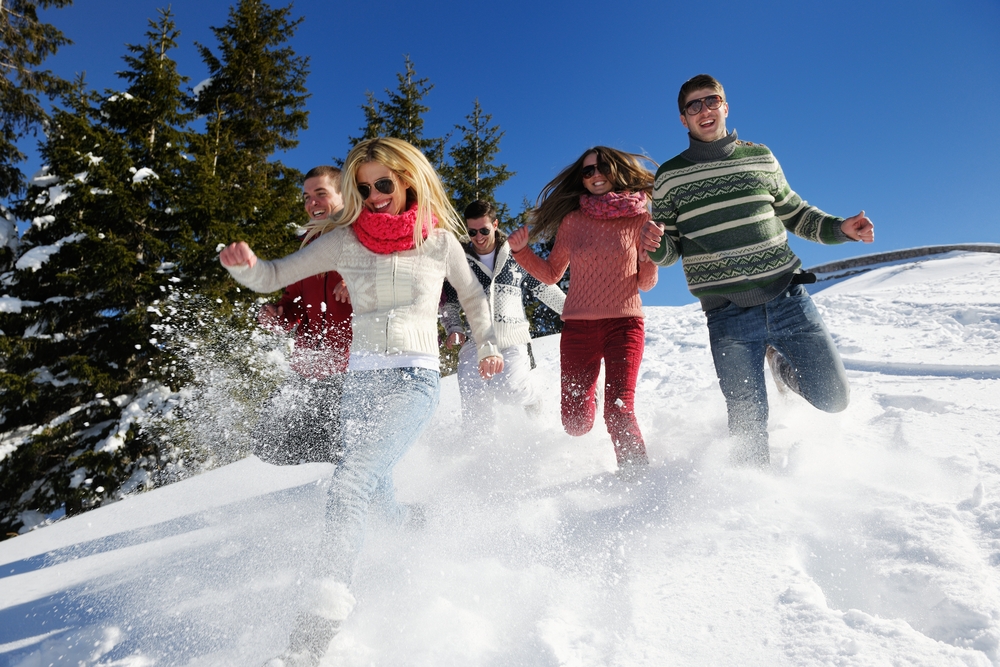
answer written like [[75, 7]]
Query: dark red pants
[[619, 342]]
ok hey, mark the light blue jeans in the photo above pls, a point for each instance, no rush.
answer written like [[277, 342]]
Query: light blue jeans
[[383, 412], [739, 337]]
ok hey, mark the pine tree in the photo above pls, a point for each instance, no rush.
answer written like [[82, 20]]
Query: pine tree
[[472, 174], [374, 121], [402, 115], [81, 358], [254, 105], [25, 42]]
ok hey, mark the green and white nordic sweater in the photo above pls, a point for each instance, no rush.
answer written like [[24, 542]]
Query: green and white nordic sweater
[[725, 207]]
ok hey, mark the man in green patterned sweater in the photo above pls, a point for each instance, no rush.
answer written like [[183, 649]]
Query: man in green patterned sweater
[[723, 207]]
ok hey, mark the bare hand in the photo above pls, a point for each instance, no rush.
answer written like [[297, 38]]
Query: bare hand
[[340, 293], [270, 315], [238, 254], [518, 239], [457, 338], [490, 366], [649, 237], [859, 228]]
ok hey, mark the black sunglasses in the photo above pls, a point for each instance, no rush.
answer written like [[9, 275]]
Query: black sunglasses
[[602, 167], [473, 232], [693, 107], [384, 185]]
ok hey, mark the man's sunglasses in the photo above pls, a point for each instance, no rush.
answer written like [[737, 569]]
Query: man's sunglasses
[[602, 167], [484, 232], [693, 107], [384, 185]]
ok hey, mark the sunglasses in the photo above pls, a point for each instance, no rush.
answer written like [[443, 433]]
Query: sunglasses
[[693, 107], [384, 185], [484, 232], [590, 169]]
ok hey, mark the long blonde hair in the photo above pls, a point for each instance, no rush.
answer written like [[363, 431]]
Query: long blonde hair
[[561, 196], [418, 176]]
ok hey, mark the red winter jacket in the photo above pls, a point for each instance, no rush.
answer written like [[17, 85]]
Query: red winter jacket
[[322, 326]]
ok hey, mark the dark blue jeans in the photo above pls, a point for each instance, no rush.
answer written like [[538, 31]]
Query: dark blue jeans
[[739, 337]]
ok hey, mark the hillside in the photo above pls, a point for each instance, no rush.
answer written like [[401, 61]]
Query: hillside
[[873, 540]]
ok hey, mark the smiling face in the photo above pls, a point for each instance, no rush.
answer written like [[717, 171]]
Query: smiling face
[[483, 245], [320, 198], [598, 183], [393, 203], [708, 124]]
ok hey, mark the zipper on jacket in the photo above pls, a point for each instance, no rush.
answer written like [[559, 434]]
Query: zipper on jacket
[[392, 306]]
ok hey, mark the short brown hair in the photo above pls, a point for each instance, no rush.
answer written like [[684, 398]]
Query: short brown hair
[[480, 209], [697, 83], [333, 173]]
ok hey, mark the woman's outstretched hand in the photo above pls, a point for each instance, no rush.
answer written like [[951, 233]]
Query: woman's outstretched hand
[[238, 254], [490, 366], [518, 239]]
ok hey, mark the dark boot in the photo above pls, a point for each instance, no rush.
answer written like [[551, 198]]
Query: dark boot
[[307, 643]]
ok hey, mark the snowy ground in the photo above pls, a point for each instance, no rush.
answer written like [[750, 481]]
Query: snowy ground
[[874, 539]]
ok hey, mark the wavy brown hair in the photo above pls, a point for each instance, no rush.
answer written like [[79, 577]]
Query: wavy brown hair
[[562, 194]]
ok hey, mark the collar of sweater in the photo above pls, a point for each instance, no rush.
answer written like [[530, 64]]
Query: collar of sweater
[[709, 151], [613, 205], [470, 249], [384, 233]]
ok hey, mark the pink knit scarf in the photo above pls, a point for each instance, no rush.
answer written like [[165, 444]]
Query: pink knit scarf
[[385, 233], [613, 205]]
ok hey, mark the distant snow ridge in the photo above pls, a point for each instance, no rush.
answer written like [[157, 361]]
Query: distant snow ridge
[[845, 268]]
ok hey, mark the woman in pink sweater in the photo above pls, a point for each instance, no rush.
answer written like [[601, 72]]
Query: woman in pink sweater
[[596, 208]]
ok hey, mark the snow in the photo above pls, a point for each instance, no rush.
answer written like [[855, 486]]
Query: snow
[[43, 178], [204, 83], [12, 304], [873, 540], [144, 173], [8, 231], [36, 257]]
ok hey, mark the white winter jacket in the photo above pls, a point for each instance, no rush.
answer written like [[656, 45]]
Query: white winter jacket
[[395, 297]]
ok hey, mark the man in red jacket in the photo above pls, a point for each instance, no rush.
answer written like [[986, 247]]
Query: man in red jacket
[[301, 422]]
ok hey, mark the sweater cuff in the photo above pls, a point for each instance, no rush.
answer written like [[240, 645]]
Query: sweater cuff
[[488, 349], [838, 234], [666, 253]]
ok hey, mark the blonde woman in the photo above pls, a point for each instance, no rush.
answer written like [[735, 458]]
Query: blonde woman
[[596, 208], [394, 243]]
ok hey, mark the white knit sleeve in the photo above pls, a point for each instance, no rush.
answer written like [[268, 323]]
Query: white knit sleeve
[[320, 256]]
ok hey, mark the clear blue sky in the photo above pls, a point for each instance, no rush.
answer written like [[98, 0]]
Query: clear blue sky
[[885, 106]]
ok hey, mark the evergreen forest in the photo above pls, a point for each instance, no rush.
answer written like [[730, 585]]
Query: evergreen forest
[[128, 357]]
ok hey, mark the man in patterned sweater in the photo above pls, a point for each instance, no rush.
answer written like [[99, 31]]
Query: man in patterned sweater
[[723, 206], [506, 284]]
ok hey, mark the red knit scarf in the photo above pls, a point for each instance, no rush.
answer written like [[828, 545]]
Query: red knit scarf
[[385, 233], [613, 205]]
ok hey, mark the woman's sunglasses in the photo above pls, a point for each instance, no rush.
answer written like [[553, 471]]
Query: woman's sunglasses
[[590, 169], [384, 185]]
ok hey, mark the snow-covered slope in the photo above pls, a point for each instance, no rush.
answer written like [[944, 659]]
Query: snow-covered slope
[[874, 540]]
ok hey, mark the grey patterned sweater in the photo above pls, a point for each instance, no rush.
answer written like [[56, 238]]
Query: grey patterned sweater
[[505, 288]]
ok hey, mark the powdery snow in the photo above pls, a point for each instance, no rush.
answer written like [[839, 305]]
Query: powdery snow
[[143, 174], [873, 540], [35, 258]]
